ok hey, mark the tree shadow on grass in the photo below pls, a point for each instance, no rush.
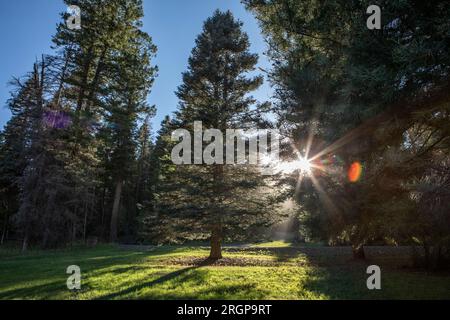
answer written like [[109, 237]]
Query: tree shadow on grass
[[37, 291], [334, 274], [338, 282], [331, 272], [44, 275], [33, 291], [285, 254], [244, 291], [218, 292], [183, 275]]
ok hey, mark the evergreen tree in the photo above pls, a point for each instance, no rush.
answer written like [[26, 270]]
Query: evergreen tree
[[222, 200], [356, 92], [74, 127], [133, 77], [155, 227], [14, 146], [42, 213], [107, 84]]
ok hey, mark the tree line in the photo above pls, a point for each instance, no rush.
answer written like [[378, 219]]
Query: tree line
[[78, 143]]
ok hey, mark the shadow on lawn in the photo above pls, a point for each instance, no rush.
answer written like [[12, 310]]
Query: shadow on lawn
[[338, 282], [334, 274], [189, 275], [160, 280], [36, 290], [331, 272], [43, 275]]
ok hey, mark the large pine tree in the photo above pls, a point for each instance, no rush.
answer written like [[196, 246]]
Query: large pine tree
[[217, 199], [358, 94], [109, 80]]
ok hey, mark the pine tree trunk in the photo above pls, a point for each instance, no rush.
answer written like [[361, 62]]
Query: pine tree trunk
[[115, 212], [427, 255], [85, 220], [358, 252], [5, 230], [45, 238], [103, 230], [216, 243], [25, 241], [74, 234]]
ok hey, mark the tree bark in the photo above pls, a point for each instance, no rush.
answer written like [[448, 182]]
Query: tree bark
[[74, 230], [5, 230], [103, 230], [84, 80], [115, 212], [95, 81], [358, 252], [45, 237], [216, 242], [85, 222], [25, 241]]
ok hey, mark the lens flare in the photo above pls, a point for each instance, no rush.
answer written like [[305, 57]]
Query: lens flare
[[57, 119], [354, 172], [301, 164]]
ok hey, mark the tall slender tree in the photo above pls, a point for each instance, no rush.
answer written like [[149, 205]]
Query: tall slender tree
[[109, 79]]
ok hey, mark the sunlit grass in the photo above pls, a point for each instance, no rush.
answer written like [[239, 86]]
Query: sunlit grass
[[111, 273], [273, 244]]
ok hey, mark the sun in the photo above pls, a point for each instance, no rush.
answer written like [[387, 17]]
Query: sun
[[301, 164], [304, 165]]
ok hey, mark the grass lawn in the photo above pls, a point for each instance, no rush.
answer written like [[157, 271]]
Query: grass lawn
[[257, 272]]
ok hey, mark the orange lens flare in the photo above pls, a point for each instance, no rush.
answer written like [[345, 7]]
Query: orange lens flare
[[354, 172]]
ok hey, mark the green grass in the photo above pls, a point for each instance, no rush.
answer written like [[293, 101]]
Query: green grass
[[283, 244], [272, 244], [282, 272]]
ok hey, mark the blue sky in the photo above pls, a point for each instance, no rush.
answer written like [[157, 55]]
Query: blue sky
[[26, 28]]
